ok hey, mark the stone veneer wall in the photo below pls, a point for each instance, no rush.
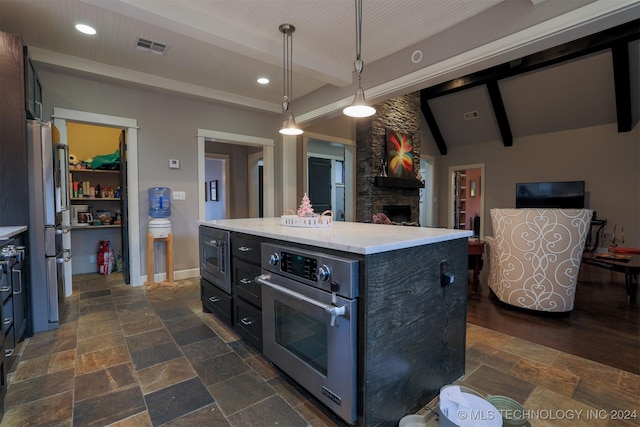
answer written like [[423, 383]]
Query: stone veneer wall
[[400, 114]]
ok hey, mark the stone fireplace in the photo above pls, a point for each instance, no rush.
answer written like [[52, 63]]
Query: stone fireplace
[[374, 193], [397, 213]]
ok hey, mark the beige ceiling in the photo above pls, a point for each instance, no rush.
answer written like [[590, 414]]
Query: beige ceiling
[[218, 48]]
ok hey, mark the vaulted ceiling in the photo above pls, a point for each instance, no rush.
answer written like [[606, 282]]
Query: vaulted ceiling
[[586, 82]]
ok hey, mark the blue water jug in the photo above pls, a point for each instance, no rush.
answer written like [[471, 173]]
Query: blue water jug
[[159, 202]]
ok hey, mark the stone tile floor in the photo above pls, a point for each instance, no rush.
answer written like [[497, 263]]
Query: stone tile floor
[[126, 356]]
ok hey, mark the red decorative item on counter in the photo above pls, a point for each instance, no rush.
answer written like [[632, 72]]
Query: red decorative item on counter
[[305, 209]]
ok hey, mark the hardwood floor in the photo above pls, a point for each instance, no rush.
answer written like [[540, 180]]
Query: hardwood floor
[[603, 327]]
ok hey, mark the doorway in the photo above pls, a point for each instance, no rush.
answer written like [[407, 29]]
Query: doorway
[[329, 174], [130, 126], [217, 188], [466, 197], [267, 166], [320, 188], [427, 201]]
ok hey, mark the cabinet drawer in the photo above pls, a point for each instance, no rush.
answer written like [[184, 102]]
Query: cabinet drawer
[[246, 248], [245, 285], [216, 301], [248, 322]]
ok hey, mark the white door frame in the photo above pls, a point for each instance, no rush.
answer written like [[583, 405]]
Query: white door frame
[[268, 160], [450, 191], [429, 200], [60, 118]]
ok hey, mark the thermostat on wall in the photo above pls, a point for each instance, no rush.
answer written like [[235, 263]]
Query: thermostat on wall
[[174, 164]]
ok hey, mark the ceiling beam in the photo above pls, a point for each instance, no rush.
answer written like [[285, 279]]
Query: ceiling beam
[[500, 113], [584, 46], [617, 39], [622, 83], [433, 124]]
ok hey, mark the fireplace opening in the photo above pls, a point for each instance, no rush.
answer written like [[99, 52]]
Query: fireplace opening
[[397, 213]]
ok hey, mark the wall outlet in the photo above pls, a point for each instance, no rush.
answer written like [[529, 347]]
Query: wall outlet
[[174, 163], [179, 195]]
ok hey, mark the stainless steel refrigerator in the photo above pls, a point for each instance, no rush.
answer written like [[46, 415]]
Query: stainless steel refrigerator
[[48, 165]]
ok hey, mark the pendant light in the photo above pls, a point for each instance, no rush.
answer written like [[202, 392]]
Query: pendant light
[[289, 127], [359, 107]]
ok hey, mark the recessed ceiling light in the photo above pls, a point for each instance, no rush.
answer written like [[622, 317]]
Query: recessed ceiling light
[[85, 29], [263, 80]]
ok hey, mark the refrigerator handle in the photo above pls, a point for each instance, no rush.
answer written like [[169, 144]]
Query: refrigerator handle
[[62, 229], [39, 108]]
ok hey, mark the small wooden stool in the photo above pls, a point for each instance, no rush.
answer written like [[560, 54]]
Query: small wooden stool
[[150, 262]]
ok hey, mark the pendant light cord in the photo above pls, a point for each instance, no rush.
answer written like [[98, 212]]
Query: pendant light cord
[[358, 30], [287, 64]]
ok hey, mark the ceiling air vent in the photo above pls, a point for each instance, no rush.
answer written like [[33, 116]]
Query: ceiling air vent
[[152, 46], [471, 115]]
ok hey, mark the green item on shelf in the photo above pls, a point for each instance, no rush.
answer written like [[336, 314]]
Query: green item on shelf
[[107, 161]]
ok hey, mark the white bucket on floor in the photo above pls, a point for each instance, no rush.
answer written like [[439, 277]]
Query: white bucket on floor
[[460, 409]]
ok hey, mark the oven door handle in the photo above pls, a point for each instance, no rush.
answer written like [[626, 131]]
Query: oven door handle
[[331, 309]]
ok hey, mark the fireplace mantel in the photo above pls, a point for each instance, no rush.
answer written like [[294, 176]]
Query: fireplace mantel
[[385, 181]]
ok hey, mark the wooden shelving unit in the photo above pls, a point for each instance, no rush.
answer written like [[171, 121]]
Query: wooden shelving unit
[[460, 201]]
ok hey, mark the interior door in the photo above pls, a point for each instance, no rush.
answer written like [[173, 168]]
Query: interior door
[[124, 207], [320, 184]]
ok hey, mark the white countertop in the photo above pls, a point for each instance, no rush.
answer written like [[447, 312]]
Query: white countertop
[[9, 232], [354, 237]]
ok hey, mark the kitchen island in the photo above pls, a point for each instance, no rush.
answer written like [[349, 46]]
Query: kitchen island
[[411, 305]]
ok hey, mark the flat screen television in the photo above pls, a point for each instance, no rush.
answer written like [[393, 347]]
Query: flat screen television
[[565, 195]]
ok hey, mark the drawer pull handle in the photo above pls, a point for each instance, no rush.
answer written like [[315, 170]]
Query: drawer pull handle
[[245, 281], [246, 321], [214, 299], [8, 353], [8, 320], [244, 249], [5, 288]]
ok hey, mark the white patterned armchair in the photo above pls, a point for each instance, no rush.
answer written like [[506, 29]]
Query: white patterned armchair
[[535, 256]]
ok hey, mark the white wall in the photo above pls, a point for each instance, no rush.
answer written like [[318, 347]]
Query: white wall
[[608, 162], [215, 209], [168, 125]]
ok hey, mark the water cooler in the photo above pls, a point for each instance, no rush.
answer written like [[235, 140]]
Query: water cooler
[[159, 230], [159, 211]]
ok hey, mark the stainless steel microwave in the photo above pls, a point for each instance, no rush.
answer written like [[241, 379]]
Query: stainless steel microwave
[[215, 257]]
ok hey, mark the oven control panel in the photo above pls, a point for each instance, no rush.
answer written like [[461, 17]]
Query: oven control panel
[[321, 270], [299, 265]]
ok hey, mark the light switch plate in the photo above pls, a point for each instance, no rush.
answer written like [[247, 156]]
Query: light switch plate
[[174, 164], [179, 195]]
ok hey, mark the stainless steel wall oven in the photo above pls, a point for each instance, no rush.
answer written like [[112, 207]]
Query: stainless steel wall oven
[[309, 317]]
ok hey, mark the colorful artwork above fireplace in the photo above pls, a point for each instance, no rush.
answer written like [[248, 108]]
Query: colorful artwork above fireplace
[[399, 155]]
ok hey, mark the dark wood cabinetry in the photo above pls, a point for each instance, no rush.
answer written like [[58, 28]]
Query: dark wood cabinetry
[[14, 197], [14, 309], [13, 303], [216, 301], [247, 295], [242, 307], [33, 88]]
